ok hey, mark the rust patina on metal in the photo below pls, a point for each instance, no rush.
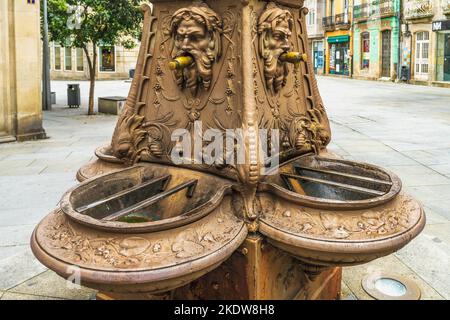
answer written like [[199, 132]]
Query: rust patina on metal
[[141, 226]]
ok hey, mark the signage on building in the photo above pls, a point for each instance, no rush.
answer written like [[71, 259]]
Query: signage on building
[[441, 25]]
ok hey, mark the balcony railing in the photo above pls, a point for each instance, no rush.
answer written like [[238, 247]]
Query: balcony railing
[[361, 11], [446, 7], [374, 9], [382, 8], [342, 21], [417, 9], [328, 23]]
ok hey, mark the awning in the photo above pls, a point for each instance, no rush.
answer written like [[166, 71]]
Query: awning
[[338, 39]]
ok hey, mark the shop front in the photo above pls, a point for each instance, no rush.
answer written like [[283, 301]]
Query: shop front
[[339, 55], [318, 56], [442, 28]]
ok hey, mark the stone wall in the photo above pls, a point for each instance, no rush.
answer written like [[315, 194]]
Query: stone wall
[[20, 71]]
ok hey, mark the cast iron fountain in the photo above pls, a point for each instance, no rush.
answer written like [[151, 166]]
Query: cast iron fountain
[[141, 225]]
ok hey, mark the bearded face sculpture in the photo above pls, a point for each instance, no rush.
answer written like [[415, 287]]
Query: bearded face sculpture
[[196, 34], [275, 30]]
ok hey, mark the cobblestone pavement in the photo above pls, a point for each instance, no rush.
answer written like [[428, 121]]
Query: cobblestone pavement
[[403, 128]]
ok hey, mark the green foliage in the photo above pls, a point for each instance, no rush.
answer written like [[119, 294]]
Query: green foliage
[[113, 22]]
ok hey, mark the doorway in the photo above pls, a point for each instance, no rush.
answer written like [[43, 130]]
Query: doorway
[[447, 57], [422, 54], [339, 58], [386, 54]]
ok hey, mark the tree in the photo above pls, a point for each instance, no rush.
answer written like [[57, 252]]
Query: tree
[[80, 23]]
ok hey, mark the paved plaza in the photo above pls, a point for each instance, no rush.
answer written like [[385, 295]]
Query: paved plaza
[[403, 128]]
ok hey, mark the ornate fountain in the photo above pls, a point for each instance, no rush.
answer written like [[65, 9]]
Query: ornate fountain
[[152, 218]]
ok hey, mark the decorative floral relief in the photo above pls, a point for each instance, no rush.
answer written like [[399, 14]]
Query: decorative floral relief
[[349, 225], [75, 244]]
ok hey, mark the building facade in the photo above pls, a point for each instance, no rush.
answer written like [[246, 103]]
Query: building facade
[[426, 41], [316, 33], [113, 62], [441, 29], [376, 37], [20, 71], [337, 24]]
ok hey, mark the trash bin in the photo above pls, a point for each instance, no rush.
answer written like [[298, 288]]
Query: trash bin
[[405, 73], [131, 73], [53, 97], [73, 95]]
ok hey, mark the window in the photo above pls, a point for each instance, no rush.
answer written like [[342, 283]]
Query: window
[[312, 17], [107, 59], [80, 61], [57, 58], [365, 50], [68, 59]]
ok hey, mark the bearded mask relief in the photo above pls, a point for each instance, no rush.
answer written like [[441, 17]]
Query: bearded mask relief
[[275, 30], [196, 34]]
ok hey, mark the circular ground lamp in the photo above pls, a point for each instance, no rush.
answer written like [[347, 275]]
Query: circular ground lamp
[[152, 218]]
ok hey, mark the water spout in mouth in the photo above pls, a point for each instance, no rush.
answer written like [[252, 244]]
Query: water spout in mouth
[[181, 62]]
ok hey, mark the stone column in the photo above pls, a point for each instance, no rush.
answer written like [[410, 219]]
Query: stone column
[[20, 71]]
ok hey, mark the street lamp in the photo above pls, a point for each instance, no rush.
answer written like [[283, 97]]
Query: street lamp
[[46, 90]]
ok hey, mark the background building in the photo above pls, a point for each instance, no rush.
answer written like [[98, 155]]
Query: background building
[[316, 33], [441, 29], [376, 36], [20, 71], [417, 41], [426, 41], [114, 62], [339, 46]]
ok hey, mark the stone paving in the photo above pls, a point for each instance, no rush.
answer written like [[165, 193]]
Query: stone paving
[[403, 128]]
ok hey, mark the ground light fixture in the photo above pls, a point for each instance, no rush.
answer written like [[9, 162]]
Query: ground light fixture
[[388, 286]]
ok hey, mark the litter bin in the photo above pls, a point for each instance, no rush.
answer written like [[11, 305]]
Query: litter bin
[[131, 73], [53, 97], [405, 73], [73, 95]]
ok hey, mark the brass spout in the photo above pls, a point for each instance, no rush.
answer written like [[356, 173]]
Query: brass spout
[[293, 57], [181, 62]]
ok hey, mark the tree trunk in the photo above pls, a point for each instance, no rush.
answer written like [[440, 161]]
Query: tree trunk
[[92, 63]]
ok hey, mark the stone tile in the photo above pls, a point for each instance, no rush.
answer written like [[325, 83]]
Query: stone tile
[[22, 171], [441, 168], [439, 232], [417, 169], [427, 158], [6, 252], [19, 268], [15, 235], [19, 296], [346, 293], [49, 284], [353, 276], [429, 257], [441, 207], [38, 155], [391, 158], [434, 218], [433, 193], [23, 216], [34, 191], [12, 164]]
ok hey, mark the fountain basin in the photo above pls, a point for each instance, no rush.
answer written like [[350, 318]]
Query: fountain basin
[[332, 212], [153, 196], [149, 262]]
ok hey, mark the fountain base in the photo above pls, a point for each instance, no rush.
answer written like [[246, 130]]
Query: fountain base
[[256, 271]]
